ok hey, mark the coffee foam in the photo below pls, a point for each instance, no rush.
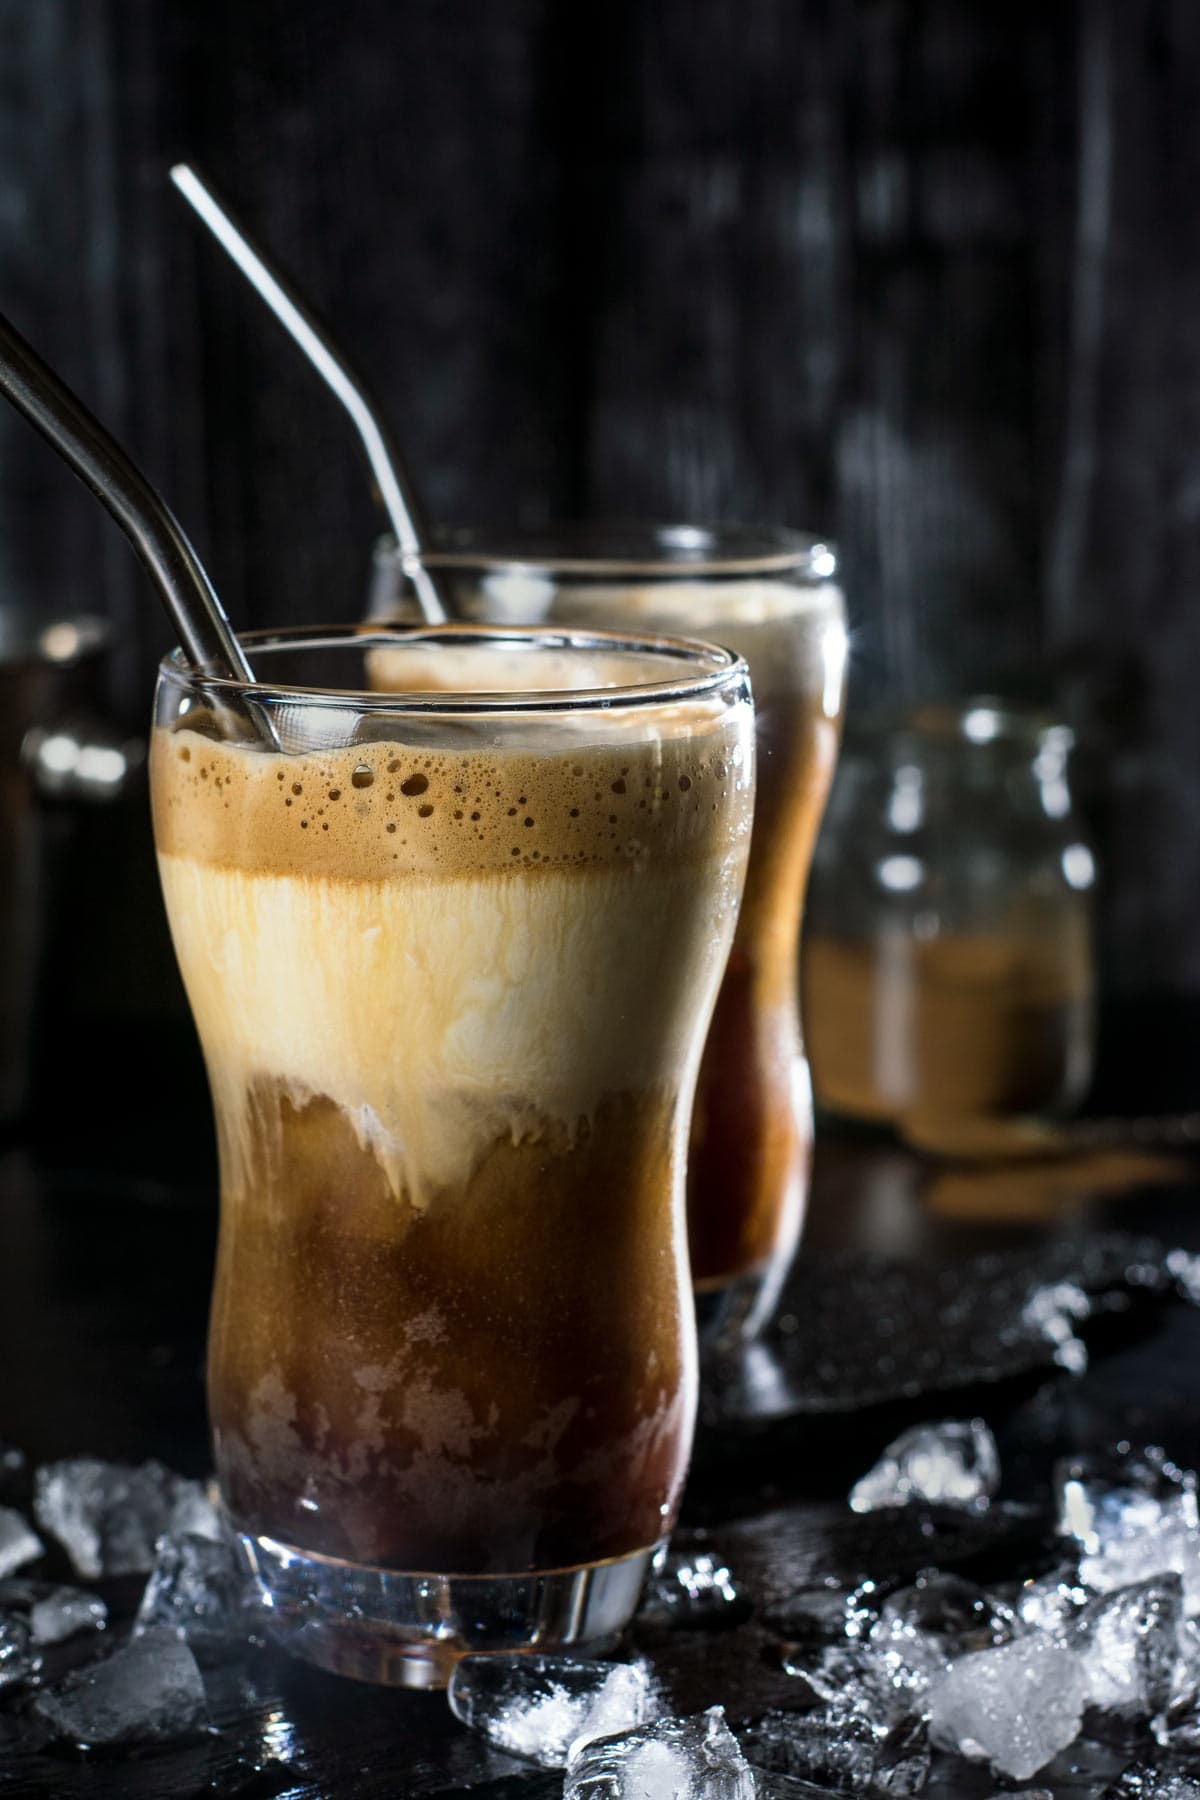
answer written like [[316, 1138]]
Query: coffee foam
[[381, 809]]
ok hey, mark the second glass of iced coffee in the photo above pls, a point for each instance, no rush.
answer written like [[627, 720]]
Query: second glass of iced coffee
[[773, 596], [452, 924]]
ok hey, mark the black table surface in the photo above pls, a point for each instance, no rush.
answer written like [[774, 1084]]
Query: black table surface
[[106, 1243]]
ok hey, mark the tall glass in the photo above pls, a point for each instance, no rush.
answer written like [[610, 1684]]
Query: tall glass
[[451, 929], [773, 597]]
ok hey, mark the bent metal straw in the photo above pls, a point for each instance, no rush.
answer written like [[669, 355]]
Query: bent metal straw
[[387, 465], [156, 534]]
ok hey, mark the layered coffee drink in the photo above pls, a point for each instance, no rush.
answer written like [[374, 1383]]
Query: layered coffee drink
[[451, 979]]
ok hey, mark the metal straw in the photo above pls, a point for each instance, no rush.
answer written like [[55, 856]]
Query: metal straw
[[99, 461], [395, 489]]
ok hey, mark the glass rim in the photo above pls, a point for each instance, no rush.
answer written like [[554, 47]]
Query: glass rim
[[724, 669], [598, 548]]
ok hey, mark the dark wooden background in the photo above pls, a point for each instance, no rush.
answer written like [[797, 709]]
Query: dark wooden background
[[922, 274]]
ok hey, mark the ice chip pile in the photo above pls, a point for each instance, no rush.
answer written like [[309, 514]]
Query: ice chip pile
[[60, 1668], [148, 1691], [694, 1591], [1008, 1676], [541, 1707], [952, 1464], [673, 1759], [108, 1517], [887, 1657]]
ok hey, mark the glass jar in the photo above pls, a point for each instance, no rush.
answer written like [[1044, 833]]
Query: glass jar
[[947, 972]]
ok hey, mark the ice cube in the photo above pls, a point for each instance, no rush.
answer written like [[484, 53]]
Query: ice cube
[[1134, 1515], [539, 1706], [63, 1611], [18, 1657], [108, 1516], [19, 1542], [199, 1589], [52, 1613], [1129, 1645], [952, 1464], [1016, 1706], [838, 1748], [885, 1683], [1054, 1311], [1050, 1602], [1162, 1549], [952, 1615], [673, 1759], [148, 1691], [1112, 1495], [693, 1590]]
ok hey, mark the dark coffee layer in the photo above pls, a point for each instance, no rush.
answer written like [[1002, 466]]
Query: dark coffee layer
[[500, 1383]]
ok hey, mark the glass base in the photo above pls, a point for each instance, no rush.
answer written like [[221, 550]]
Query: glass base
[[736, 1312], [409, 1630]]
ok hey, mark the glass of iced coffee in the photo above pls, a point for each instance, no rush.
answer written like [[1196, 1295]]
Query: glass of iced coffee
[[452, 925], [773, 596]]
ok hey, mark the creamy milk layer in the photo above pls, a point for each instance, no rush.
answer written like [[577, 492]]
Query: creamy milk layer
[[456, 948]]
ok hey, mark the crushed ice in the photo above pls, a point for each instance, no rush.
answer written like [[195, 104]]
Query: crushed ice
[[108, 1516], [1007, 1676], [673, 1759], [541, 1706]]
